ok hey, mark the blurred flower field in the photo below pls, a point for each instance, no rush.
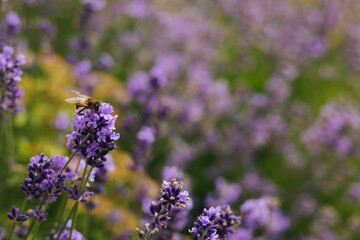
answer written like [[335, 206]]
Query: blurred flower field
[[204, 120]]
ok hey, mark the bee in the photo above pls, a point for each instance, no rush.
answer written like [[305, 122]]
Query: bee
[[83, 101]]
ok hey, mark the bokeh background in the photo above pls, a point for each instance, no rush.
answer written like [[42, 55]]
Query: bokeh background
[[240, 99]]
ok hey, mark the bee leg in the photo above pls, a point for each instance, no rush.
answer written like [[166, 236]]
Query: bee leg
[[80, 112]]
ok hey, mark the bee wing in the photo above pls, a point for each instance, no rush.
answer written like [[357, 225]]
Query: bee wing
[[75, 100], [78, 93]]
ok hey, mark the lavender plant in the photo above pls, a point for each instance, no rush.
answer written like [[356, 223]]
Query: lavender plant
[[229, 90], [10, 76], [205, 226], [171, 196], [93, 137]]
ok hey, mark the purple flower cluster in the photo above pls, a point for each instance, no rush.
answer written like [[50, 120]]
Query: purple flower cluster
[[10, 76], [37, 214], [171, 196], [97, 129], [205, 226], [44, 176], [263, 213], [226, 221], [13, 23], [44, 181], [15, 215], [337, 129], [286, 29], [74, 193], [10, 28]]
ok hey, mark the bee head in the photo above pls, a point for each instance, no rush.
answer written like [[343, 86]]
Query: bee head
[[97, 106]]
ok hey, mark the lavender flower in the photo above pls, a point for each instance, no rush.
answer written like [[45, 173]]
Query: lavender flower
[[40, 173], [336, 130], [74, 194], [355, 191], [105, 61], [98, 127], [20, 232], [94, 5], [169, 173], [263, 213], [225, 193], [158, 78], [146, 136], [39, 215], [257, 212], [44, 176], [225, 221], [14, 215], [13, 23], [205, 226], [1, 234], [61, 122], [10, 75], [46, 27], [138, 85], [171, 196]]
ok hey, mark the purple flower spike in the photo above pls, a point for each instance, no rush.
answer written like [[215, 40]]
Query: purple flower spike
[[10, 75], [172, 197], [172, 194], [44, 176], [14, 215], [100, 126], [206, 224], [105, 61], [40, 216], [13, 23], [225, 221], [74, 194]]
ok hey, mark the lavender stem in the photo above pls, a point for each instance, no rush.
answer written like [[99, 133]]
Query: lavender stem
[[34, 220], [39, 222]]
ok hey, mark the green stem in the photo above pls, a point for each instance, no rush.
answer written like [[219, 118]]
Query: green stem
[[73, 222], [65, 200], [32, 224], [62, 210], [77, 167], [80, 193], [202, 236], [74, 208], [2, 127], [73, 154], [67, 219], [87, 223], [39, 222], [23, 205], [37, 225], [82, 180], [148, 236], [10, 142]]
